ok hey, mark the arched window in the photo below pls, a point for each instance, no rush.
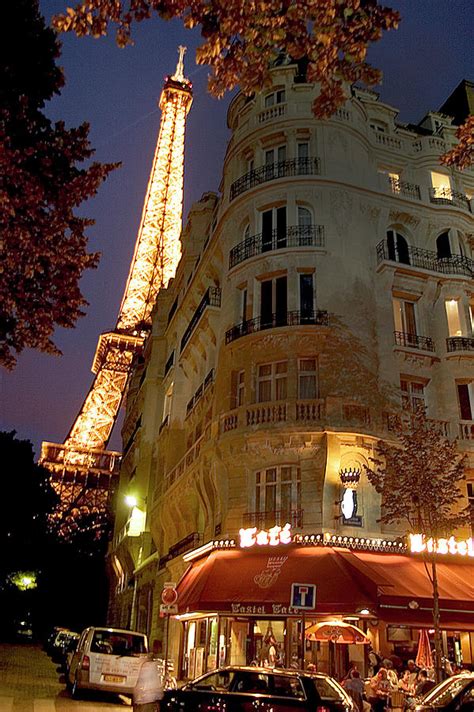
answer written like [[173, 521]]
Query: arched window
[[443, 247], [398, 250], [304, 217]]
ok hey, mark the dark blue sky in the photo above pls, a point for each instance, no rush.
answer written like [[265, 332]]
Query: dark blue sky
[[116, 92]]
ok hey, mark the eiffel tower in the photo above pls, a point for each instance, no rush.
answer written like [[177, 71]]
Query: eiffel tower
[[83, 471]]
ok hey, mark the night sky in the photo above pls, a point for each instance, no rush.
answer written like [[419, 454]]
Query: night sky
[[116, 91]]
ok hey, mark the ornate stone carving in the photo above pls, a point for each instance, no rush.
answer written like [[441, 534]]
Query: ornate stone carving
[[341, 210], [369, 210], [404, 218]]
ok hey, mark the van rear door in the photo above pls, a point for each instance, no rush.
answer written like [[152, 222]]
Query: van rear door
[[115, 658]]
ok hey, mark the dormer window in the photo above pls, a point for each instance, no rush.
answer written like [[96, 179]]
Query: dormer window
[[276, 97], [378, 126]]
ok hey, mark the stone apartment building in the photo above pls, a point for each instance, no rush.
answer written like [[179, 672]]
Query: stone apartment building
[[330, 279]]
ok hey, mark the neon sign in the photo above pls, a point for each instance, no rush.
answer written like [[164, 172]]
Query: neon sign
[[461, 547], [261, 537]]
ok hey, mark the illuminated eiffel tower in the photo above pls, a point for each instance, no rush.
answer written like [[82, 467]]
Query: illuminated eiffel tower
[[83, 471]]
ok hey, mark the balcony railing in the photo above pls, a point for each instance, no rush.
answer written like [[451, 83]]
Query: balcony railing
[[212, 298], [466, 429], [199, 391], [294, 236], [427, 259], [301, 412], [277, 517], [413, 341], [281, 169], [291, 318], [401, 187], [446, 196], [460, 343]]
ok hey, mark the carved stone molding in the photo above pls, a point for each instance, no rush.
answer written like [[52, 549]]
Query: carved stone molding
[[404, 218]]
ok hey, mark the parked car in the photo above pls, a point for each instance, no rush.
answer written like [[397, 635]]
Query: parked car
[[106, 659], [60, 643], [456, 694], [242, 689]]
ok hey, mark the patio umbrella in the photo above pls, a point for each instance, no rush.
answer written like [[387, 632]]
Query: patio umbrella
[[336, 632], [424, 658]]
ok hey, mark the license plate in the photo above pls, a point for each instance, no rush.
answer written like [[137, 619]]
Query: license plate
[[114, 678]]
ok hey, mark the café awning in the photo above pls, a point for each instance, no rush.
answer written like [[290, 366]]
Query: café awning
[[393, 587], [259, 582]]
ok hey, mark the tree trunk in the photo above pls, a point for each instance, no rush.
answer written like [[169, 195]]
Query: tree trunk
[[436, 618]]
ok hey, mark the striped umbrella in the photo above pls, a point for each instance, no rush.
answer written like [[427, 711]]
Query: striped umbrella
[[424, 658]]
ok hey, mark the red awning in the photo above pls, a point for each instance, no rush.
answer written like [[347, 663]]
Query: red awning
[[243, 581], [405, 592], [394, 587]]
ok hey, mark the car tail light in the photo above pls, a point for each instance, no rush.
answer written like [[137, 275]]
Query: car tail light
[[322, 708], [86, 663]]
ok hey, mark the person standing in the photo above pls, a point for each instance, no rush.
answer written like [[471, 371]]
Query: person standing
[[379, 691], [149, 688]]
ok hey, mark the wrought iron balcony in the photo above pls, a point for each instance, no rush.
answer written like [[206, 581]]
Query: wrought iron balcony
[[212, 298], [446, 196], [413, 341], [460, 343], [401, 187], [293, 236], [291, 318], [427, 259], [281, 169], [278, 517]]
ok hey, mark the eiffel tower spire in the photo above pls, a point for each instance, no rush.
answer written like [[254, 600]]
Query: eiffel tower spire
[[83, 471]]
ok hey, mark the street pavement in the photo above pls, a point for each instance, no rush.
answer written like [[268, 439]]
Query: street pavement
[[30, 682]]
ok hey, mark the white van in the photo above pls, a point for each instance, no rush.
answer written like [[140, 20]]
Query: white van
[[107, 659]]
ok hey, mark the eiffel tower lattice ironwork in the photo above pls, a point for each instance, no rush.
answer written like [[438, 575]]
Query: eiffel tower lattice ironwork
[[83, 471]]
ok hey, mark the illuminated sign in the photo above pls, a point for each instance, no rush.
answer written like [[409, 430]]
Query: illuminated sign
[[462, 547], [274, 536]]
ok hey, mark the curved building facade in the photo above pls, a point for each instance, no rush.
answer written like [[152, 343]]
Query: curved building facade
[[329, 283]]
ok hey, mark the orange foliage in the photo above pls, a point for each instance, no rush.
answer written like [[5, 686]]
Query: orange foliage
[[241, 39]]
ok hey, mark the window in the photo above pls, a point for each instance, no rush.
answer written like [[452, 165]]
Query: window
[[443, 247], [306, 298], [404, 316], [398, 250], [237, 389], [274, 229], [452, 315], [277, 97], [247, 232], [275, 162], [272, 381], [470, 502], [168, 402], [466, 400], [277, 490], [275, 155], [302, 150], [307, 378], [378, 126], [441, 185], [413, 394], [240, 387], [243, 304], [273, 302], [304, 217]]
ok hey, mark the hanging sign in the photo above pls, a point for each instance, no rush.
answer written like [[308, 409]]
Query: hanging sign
[[262, 537], [461, 547]]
